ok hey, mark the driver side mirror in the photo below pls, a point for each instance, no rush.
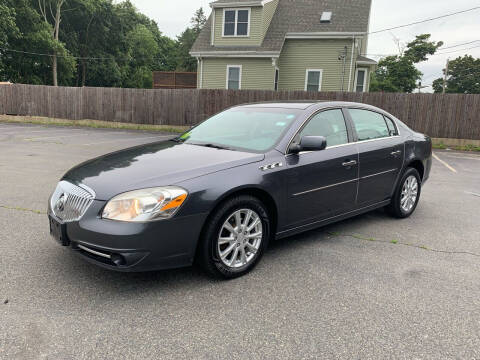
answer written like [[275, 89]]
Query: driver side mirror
[[309, 143]]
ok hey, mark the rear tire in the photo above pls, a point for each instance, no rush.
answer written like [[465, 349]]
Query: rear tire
[[235, 237], [406, 196]]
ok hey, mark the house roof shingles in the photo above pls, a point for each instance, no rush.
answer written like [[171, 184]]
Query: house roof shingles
[[297, 16]]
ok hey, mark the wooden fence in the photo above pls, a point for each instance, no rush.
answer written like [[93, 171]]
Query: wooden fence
[[454, 116]]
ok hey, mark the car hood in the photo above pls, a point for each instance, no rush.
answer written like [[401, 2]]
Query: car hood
[[156, 164]]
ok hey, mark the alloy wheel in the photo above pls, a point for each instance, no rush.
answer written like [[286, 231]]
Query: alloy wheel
[[240, 238], [409, 193]]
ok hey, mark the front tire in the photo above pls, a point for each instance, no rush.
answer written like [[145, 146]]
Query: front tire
[[407, 195], [235, 237]]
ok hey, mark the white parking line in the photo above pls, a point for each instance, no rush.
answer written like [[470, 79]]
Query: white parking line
[[472, 193], [444, 163], [464, 157]]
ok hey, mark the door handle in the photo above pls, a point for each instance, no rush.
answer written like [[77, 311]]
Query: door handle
[[349, 163], [396, 153]]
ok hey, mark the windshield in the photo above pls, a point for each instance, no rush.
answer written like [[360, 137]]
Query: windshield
[[250, 129]]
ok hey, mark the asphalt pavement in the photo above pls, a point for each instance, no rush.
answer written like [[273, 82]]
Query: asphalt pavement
[[371, 287]]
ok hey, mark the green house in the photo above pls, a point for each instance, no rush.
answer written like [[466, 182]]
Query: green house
[[313, 45]]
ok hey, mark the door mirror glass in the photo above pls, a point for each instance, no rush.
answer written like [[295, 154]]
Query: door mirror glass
[[309, 143]]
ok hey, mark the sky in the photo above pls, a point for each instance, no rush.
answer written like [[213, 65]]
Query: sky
[[174, 16]]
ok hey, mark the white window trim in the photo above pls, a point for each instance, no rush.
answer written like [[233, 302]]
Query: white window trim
[[278, 82], [239, 76], [364, 79], [320, 80], [236, 22]]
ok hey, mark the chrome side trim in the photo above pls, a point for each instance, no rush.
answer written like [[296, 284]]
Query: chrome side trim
[[383, 138], [380, 173], [325, 187], [91, 251], [343, 182]]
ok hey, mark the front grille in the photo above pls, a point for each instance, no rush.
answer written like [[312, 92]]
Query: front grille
[[69, 202]]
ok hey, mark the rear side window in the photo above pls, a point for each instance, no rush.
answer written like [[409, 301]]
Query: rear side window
[[369, 125], [330, 124], [392, 129]]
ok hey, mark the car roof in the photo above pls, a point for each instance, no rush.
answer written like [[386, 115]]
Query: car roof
[[304, 105]]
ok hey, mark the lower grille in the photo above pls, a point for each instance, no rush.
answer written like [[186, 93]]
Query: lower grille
[[69, 202]]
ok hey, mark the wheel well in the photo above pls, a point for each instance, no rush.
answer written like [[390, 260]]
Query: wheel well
[[262, 195], [417, 164]]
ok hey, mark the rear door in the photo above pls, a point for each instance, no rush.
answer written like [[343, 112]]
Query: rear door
[[322, 183], [381, 153]]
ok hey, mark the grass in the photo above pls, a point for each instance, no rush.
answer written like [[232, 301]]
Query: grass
[[90, 123], [468, 147]]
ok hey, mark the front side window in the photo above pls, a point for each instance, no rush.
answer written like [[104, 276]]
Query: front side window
[[361, 80], [236, 22], [243, 128], [329, 124], [313, 80], [234, 77], [369, 125]]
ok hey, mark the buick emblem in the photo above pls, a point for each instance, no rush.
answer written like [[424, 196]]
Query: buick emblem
[[60, 204]]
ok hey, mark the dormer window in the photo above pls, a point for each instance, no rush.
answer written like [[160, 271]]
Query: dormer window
[[236, 22], [326, 17]]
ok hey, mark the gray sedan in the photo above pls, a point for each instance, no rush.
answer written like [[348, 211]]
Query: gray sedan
[[220, 192]]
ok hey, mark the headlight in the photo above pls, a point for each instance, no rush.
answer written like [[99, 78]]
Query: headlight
[[145, 205]]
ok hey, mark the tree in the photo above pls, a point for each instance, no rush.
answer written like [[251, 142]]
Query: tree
[[185, 41], [51, 12], [398, 73], [198, 21], [81, 43], [141, 52], [8, 30], [20, 62], [463, 76]]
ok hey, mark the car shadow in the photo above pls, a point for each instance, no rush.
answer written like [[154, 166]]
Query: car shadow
[[113, 283]]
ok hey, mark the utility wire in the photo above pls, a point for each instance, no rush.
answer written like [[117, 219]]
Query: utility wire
[[71, 57], [51, 55], [424, 21], [454, 46], [440, 53], [450, 52]]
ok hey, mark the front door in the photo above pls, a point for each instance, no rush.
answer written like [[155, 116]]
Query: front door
[[323, 183], [381, 153]]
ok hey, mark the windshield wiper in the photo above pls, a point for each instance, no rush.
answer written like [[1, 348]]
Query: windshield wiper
[[214, 146]]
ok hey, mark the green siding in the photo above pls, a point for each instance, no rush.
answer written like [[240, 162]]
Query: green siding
[[257, 73], [256, 33], [268, 11], [299, 55]]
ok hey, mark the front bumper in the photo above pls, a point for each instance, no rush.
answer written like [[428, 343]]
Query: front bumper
[[124, 246]]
